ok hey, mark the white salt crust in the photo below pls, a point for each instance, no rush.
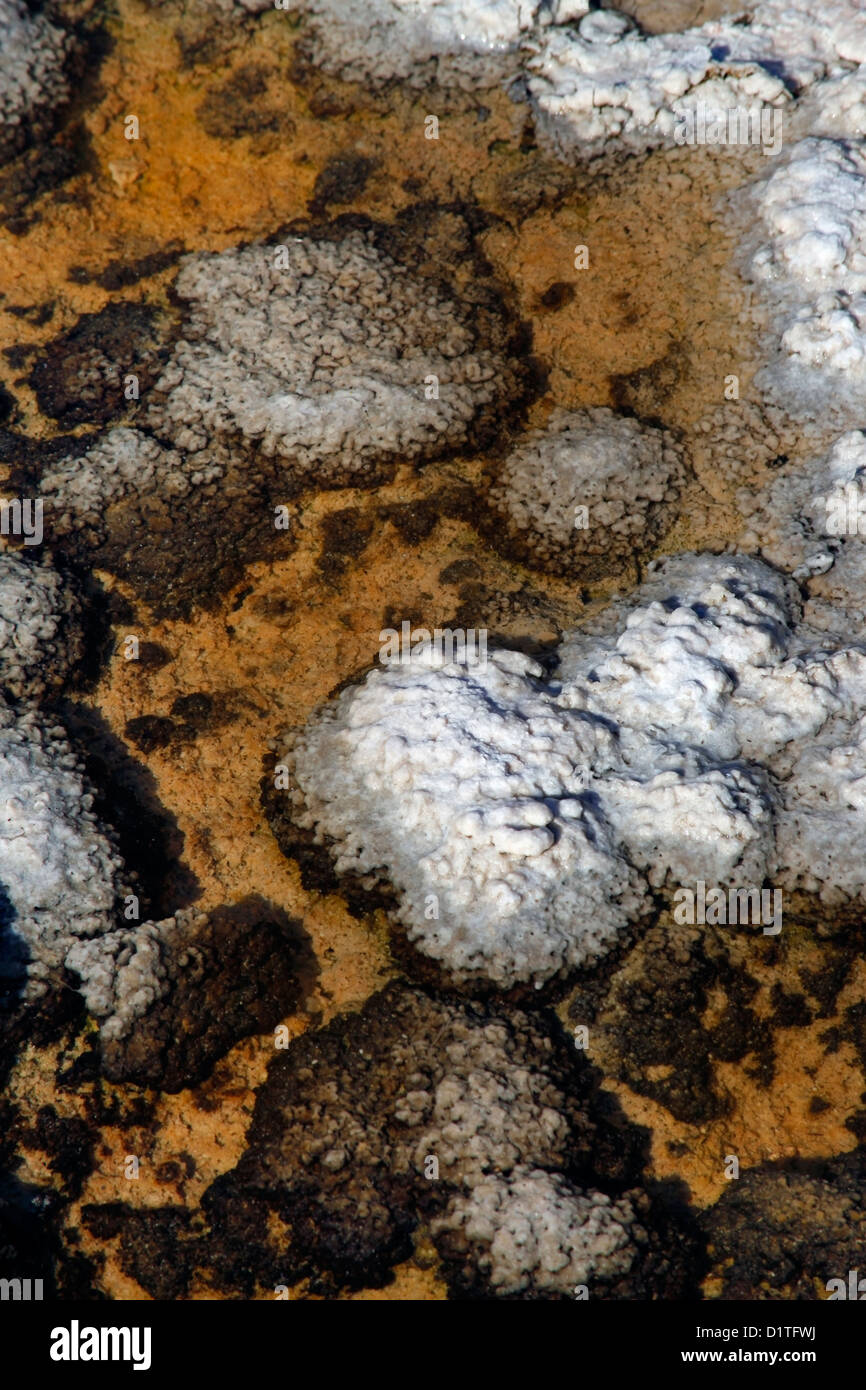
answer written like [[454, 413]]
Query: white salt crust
[[531, 816], [125, 972], [33, 54], [835, 107], [124, 462], [61, 878], [467, 43], [801, 520], [591, 76], [731, 669], [470, 784], [59, 873], [40, 636], [534, 1232], [626, 475], [805, 252], [324, 366], [608, 81], [322, 363]]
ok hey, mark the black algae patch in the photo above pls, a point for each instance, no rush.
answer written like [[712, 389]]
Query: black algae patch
[[342, 180], [239, 106], [85, 374], [784, 1231], [646, 1024]]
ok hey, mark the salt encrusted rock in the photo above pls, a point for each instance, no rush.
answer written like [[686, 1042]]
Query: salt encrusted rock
[[586, 492], [810, 513], [835, 107], [78, 490], [481, 1089], [126, 503], [464, 1115], [685, 654], [534, 1233], [519, 820], [822, 821], [807, 224], [468, 43], [326, 364], [33, 79], [331, 372], [40, 632], [837, 596], [326, 372], [173, 996], [608, 81], [470, 784], [60, 875], [591, 74], [719, 660], [737, 443]]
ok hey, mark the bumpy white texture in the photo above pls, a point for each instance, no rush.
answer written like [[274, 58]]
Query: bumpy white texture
[[691, 648], [488, 1112], [625, 474], [33, 54], [470, 784], [535, 1232], [837, 596], [591, 75], [718, 660], [322, 366], [678, 673], [123, 973], [805, 516], [40, 636], [822, 822], [466, 42], [805, 252], [122, 463], [323, 363], [59, 874], [835, 107], [520, 820], [608, 80]]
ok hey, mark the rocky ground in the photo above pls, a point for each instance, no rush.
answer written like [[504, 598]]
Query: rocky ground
[[252, 1079]]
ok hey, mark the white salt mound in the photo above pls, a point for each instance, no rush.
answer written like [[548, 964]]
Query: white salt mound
[[535, 1232], [468, 43], [804, 251], [40, 634], [589, 487], [59, 874], [608, 82], [522, 821], [33, 54], [330, 367]]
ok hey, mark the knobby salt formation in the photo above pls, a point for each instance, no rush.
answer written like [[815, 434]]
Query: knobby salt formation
[[468, 1117], [34, 77], [586, 493], [699, 731], [321, 361], [609, 87]]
